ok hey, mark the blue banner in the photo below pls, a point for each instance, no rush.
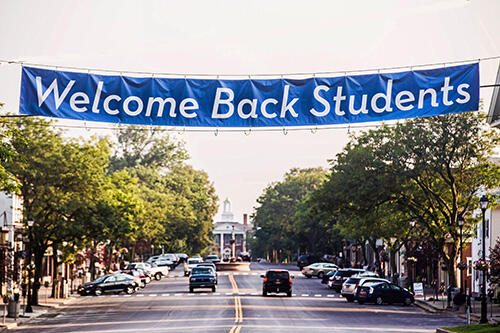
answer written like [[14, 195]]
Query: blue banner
[[250, 102]]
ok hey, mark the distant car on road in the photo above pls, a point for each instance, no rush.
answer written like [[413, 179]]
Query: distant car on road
[[245, 256], [202, 277], [212, 258], [154, 270], [341, 276], [208, 264], [277, 281], [182, 257], [306, 259], [190, 264], [383, 292], [109, 283], [350, 285], [318, 269]]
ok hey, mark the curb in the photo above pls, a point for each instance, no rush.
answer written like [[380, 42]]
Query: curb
[[9, 326], [423, 305], [442, 330]]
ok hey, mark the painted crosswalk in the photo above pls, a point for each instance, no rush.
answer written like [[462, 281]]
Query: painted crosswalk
[[204, 294]]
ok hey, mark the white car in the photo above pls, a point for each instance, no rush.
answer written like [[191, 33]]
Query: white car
[[190, 263], [349, 287], [156, 271]]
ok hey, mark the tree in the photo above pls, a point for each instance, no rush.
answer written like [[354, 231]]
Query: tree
[[151, 148], [495, 264], [57, 178], [274, 218], [430, 169]]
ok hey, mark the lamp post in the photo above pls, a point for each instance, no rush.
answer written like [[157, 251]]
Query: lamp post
[[483, 203], [410, 262], [30, 250], [461, 225]]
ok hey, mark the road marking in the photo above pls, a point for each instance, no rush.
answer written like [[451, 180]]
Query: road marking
[[294, 295], [254, 294], [153, 295], [330, 295], [318, 295], [165, 295], [177, 294], [233, 284], [305, 295], [216, 294], [229, 293], [238, 313], [140, 295]]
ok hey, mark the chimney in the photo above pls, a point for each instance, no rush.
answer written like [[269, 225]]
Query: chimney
[[245, 219]]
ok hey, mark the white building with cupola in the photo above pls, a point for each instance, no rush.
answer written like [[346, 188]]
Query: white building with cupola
[[229, 228]]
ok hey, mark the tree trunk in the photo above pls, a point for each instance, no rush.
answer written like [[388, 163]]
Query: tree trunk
[[55, 271], [394, 268], [38, 254], [450, 262]]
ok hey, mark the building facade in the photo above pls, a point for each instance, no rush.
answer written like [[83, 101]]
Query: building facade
[[228, 229]]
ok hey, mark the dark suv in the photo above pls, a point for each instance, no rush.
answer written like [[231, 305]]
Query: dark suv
[[306, 259], [335, 282], [277, 281]]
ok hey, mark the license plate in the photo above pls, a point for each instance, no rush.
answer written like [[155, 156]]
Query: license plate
[[278, 282]]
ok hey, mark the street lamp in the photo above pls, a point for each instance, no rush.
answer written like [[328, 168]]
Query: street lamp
[[461, 225], [483, 203], [30, 250], [410, 261]]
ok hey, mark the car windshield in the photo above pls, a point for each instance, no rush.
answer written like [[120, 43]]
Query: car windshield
[[277, 275], [193, 261], [202, 270], [211, 257], [372, 284], [353, 281], [102, 278], [343, 273]]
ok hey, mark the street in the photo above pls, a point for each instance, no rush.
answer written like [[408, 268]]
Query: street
[[236, 306]]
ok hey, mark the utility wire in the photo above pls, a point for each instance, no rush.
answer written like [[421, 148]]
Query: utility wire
[[185, 75]]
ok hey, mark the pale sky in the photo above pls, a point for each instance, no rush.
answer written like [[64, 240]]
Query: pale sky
[[247, 37]]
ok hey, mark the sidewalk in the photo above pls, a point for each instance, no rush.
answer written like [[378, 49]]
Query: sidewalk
[[431, 304], [45, 305]]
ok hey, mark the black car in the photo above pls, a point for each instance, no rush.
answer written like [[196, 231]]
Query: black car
[[383, 292], [245, 256], [341, 276], [277, 281], [305, 260], [109, 283]]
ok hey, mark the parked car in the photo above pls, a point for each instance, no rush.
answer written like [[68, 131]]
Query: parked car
[[190, 264], [202, 277], [154, 270], [277, 281], [318, 269], [305, 260], [109, 283], [137, 273], [182, 257], [172, 257], [245, 256], [350, 285], [383, 292], [212, 258], [341, 276]]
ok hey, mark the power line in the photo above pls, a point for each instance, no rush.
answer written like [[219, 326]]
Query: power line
[[185, 75]]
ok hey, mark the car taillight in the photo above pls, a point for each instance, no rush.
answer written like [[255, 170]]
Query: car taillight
[[265, 280], [290, 280]]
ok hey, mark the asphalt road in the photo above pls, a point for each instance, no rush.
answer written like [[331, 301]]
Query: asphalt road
[[236, 306]]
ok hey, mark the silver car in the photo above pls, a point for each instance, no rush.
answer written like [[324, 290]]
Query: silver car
[[349, 287], [318, 269]]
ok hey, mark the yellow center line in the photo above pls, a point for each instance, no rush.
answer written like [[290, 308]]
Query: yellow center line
[[238, 312]]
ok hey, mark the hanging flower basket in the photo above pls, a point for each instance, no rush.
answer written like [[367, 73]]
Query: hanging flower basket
[[481, 265], [411, 260], [462, 265]]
